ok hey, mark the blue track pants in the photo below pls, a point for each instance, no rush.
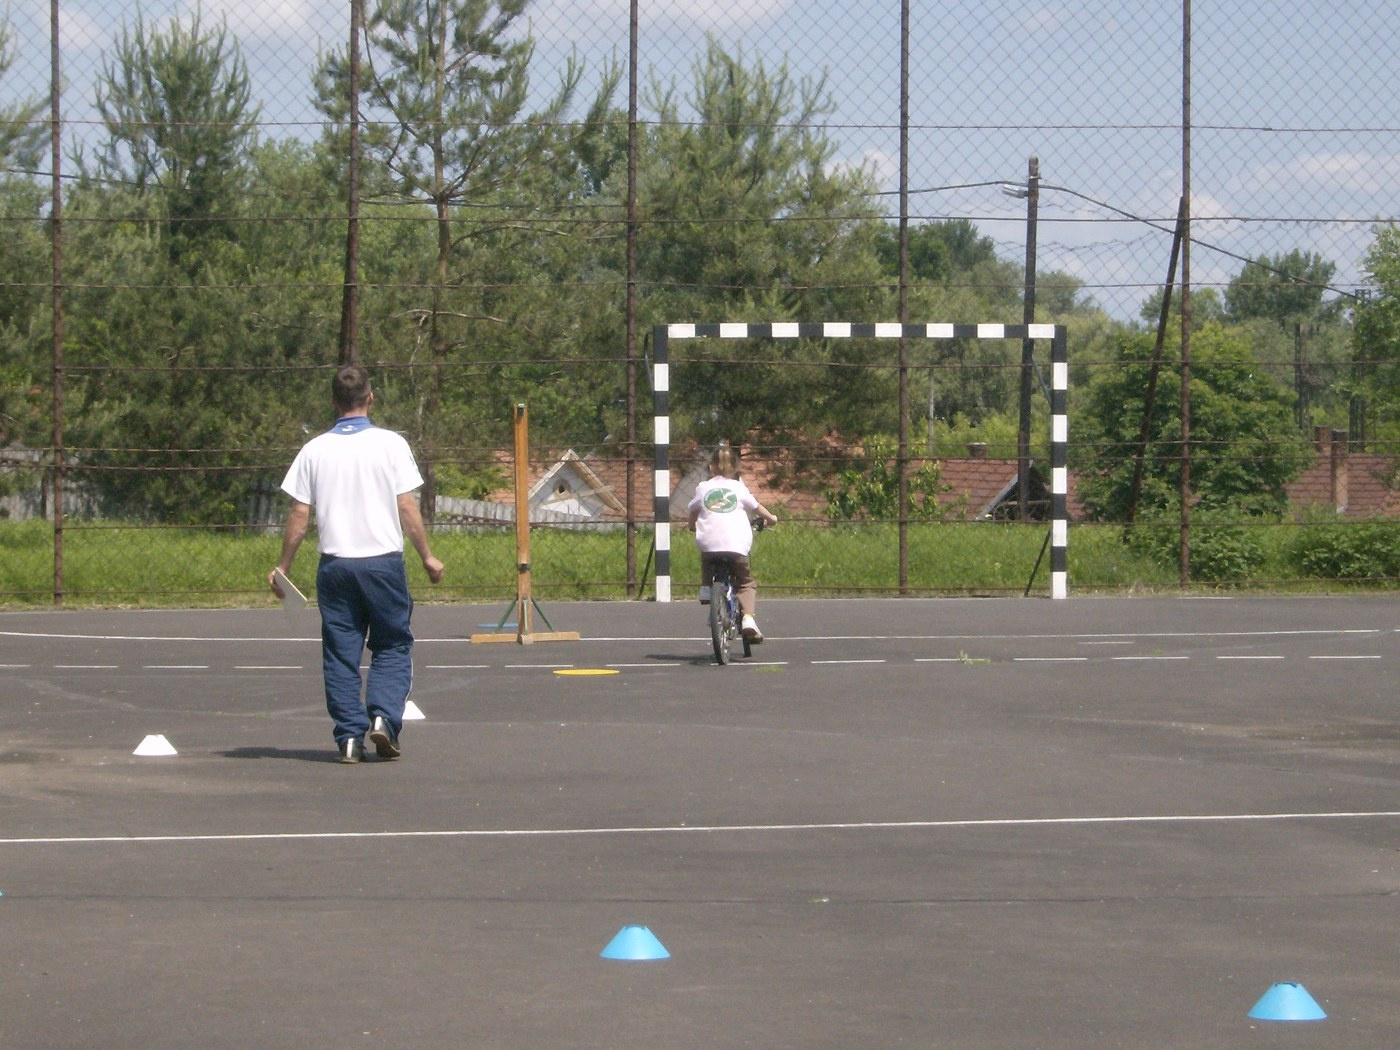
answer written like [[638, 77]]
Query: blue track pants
[[365, 601]]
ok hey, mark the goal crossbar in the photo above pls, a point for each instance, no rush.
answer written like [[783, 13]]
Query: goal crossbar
[[662, 335]]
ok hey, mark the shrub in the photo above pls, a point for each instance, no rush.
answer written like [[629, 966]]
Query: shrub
[[1222, 549], [1341, 550]]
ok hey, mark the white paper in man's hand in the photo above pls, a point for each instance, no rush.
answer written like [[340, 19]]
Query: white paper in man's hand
[[292, 599]]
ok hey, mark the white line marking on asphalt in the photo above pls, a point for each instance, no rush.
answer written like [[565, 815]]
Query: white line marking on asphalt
[[1129, 635], [711, 829], [1100, 635], [751, 663], [151, 637]]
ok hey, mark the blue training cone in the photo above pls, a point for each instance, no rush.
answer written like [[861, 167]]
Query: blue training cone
[[635, 944], [1287, 1001]]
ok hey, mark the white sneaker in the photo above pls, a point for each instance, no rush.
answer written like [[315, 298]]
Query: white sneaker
[[705, 595], [749, 627]]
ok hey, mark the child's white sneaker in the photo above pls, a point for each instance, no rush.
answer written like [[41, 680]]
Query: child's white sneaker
[[705, 595], [749, 626]]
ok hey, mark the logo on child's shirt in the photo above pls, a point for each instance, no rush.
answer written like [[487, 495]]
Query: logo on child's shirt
[[721, 501]]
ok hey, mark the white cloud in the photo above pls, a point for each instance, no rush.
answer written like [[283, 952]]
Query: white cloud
[[881, 163], [87, 27], [1358, 172], [256, 18], [608, 19], [727, 13], [79, 31], [1041, 19], [1347, 178], [1204, 208]]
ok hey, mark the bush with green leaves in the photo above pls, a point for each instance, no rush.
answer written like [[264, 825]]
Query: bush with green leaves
[[1343, 550], [1222, 549], [868, 490], [1247, 447]]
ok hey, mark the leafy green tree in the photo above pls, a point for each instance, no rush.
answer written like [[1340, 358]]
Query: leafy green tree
[[180, 291], [22, 129], [187, 393], [1245, 448], [1299, 337], [1282, 288], [938, 251], [746, 218], [24, 412], [1375, 379], [447, 93], [868, 489], [951, 438], [180, 120], [1059, 294], [956, 275], [1207, 307], [25, 353]]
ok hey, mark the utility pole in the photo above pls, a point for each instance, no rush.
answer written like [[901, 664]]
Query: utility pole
[[1023, 434], [350, 291]]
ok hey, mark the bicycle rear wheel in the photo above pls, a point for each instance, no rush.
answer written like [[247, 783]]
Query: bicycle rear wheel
[[720, 619]]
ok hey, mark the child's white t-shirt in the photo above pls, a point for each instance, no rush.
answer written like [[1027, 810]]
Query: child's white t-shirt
[[353, 478], [723, 525]]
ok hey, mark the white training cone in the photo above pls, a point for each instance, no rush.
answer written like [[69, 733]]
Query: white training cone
[[411, 713], [154, 746]]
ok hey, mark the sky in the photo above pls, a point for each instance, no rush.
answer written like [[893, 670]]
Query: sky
[[1295, 140]]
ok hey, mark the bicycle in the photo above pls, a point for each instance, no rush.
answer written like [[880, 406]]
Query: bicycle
[[726, 618]]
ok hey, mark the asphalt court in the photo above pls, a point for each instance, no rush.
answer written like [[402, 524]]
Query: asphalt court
[[935, 823]]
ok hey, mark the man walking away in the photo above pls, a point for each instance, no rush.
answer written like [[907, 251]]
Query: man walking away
[[361, 481]]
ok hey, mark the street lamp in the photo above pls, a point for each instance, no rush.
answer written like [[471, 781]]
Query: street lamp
[[1030, 193]]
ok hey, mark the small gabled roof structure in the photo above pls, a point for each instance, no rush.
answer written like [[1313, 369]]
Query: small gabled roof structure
[[571, 486]]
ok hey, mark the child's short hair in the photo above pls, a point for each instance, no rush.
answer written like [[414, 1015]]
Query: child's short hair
[[724, 461]]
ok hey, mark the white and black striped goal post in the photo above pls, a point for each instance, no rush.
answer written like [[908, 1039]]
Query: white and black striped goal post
[[664, 335]]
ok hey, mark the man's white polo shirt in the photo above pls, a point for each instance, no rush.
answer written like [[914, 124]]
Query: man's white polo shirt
[[353, 475]]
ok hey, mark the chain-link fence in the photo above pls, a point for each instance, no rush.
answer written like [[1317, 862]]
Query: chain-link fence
[[208, 207]]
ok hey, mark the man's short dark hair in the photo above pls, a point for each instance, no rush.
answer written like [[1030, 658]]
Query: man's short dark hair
[[350, 388]]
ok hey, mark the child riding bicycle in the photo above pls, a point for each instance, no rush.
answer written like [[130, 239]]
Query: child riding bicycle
[[719, 515]]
